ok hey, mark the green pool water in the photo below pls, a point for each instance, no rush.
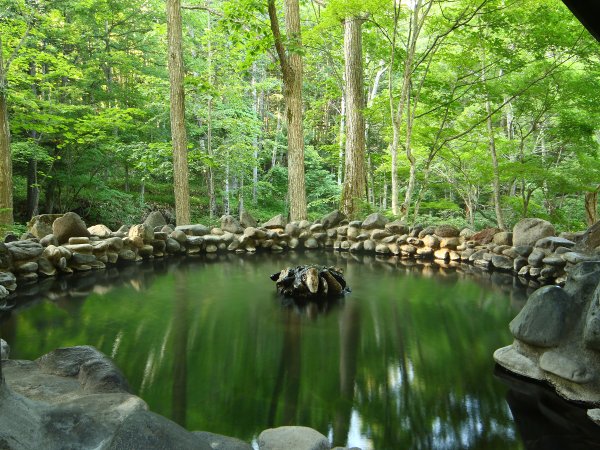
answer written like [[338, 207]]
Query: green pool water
[[403, 362]]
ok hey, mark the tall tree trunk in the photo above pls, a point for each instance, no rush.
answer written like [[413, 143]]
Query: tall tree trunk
[[177, 100], [291, 68], [354, 190], [6, 188]]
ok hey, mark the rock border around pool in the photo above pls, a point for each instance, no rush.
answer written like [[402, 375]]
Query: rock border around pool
[[59, 244]]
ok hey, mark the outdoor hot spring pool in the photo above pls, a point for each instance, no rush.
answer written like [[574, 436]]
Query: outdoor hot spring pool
[[404, 361]]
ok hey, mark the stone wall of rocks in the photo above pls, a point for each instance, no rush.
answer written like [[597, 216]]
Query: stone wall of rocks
[[58, 244]]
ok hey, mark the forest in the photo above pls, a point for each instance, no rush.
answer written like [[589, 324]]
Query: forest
[[469, 112]]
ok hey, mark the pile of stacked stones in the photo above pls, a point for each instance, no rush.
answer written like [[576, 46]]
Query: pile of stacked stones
[[58, 244]]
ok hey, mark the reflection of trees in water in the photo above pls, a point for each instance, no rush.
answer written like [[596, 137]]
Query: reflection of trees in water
[[409, 356], [180, 347], [288, 378], [349, 335]]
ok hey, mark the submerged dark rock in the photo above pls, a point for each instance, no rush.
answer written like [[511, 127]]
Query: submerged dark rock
[[310, 282]]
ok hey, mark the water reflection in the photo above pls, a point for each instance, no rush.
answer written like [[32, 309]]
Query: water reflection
[[404, 361]]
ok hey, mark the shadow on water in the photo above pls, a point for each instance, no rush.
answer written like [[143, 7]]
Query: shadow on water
[[404, 361], [545, 420]]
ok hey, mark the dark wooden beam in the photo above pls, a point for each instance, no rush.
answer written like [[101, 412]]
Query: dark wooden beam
[[588, 13]]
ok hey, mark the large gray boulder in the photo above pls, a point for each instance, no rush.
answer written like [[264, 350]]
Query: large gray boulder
[[375, 220], [541, 322], [41, 225], [155, 219], [95, 371], [529, 231], [68, 226], [149, 431], [557, 336], [590, 241], [220, 442], [297, 438]]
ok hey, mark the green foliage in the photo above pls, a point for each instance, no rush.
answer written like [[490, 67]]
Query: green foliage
[[88, 101]]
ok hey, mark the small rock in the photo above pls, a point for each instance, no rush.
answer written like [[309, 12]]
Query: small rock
[[551, 243], [141, 231], [276, 222], [536, 257], [446, 231], [192, 230], [24, 250], [102, 231], [41, 226], [502, 262], [375, 220], [292, 437], [503, 238], [246, 219], [219, 442], [49, 239], [485, 236], [382, 248], [4, 349], [79, 240], [155, 219], [397, 227], [332, 219], [231, 224], [369, 245], [378, 235]]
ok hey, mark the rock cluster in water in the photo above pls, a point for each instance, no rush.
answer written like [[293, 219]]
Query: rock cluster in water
[[58, 244], [557, 337], [310, 282]]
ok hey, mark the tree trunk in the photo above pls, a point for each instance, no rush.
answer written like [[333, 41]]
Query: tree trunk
[[177, 100], [212, 199], [6, 191], [372, 94], [398, 112], [291, 68], [340, 170], [495, 173], [255, 140], [33, 191], [591, 207], [354, 190]]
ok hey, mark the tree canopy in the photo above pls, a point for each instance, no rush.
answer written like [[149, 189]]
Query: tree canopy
[[475, 113]]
